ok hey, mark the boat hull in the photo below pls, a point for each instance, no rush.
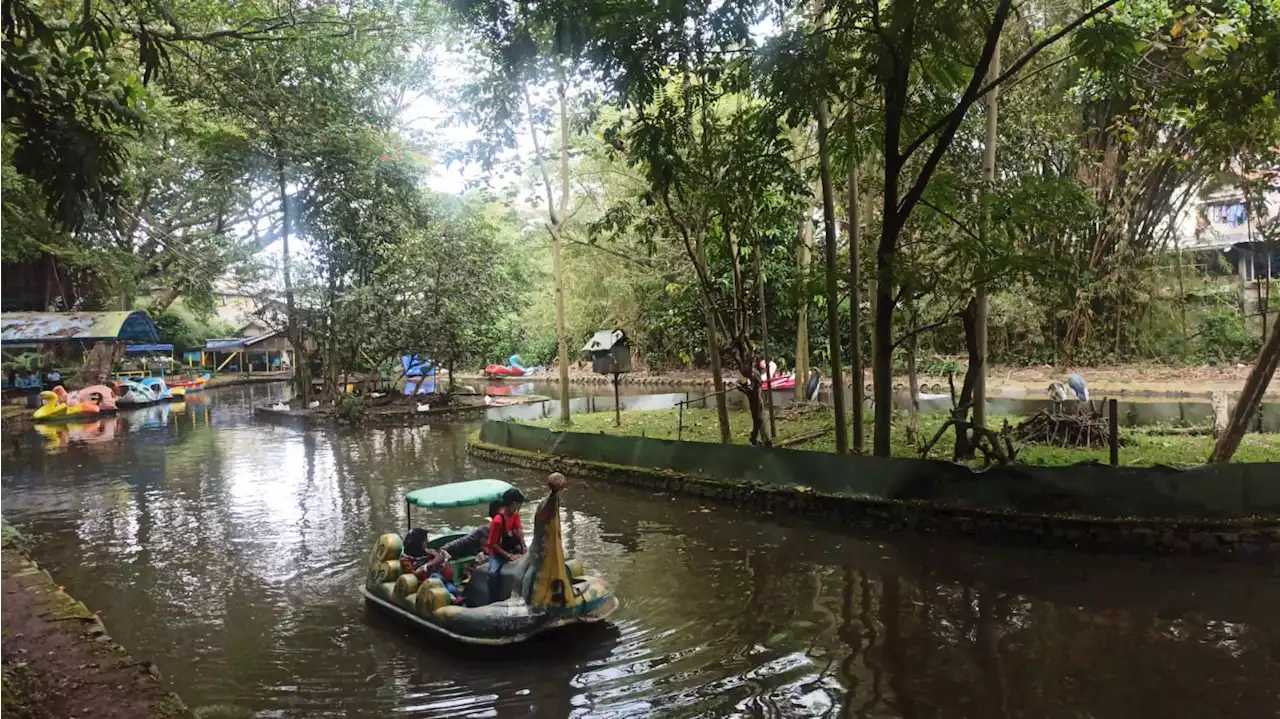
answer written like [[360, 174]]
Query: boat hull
[[523, 625], [780, 383], [497, 371]]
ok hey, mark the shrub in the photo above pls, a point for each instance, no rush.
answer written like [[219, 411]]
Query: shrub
[[350, 407]]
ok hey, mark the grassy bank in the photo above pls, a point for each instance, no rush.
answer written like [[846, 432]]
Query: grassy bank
[[700, 425]]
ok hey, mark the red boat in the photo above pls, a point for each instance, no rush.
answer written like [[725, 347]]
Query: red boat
[[497, 370], [782, 381]]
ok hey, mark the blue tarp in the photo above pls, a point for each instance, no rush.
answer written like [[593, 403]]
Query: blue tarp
[[135, 349], [415, 366]]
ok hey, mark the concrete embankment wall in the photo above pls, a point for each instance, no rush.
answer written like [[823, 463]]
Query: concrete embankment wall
[[1222, 507], [59, 659]]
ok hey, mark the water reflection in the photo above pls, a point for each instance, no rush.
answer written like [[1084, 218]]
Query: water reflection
[[230, 553]]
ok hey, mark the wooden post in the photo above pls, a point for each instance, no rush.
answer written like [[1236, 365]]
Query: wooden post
[[680, 426], [1113, 430], [617, 404]]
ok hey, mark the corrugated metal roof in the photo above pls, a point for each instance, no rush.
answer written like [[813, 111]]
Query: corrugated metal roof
[[603, 340], [45, 327], [236, 344]]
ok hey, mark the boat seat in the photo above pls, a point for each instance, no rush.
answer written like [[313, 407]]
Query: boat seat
[[476, 593]]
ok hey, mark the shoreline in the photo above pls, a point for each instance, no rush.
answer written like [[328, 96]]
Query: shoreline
[[16, 418], [388, 415], [1236, 538], [58, 658], [1138, 380]]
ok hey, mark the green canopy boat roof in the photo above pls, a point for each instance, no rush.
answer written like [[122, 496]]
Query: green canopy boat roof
[[458, 494]]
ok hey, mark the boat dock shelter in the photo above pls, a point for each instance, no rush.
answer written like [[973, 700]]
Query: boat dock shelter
[[40, 347], [270, 352]]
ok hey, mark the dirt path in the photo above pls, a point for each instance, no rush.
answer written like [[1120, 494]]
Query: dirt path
[[59, 662]]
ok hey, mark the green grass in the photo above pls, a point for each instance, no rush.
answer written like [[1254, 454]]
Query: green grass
[[1139, 449]]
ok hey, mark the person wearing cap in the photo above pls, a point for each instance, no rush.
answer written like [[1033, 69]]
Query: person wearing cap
[[506, 539]]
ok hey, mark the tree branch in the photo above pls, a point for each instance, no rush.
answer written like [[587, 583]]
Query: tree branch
[[1010, 72], [970, 96]]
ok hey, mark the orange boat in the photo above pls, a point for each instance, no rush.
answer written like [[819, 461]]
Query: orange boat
[[191, 385]]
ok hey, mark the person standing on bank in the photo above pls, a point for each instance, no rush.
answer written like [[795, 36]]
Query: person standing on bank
[[506, 539]]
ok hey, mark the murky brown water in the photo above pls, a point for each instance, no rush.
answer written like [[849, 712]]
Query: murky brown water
[[230, 553]]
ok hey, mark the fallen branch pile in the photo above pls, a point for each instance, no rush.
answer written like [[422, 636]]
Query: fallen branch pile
[[1085, 429]]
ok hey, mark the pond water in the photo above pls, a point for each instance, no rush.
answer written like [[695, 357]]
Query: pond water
[[230, 552]]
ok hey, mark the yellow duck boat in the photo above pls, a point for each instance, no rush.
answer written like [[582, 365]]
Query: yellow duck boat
[[55, 408], [540, 591]]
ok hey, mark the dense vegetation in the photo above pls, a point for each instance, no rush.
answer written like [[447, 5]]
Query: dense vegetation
[[881, 182]]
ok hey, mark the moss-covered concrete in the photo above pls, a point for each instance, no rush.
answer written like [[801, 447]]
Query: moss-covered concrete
[[1252, 536], [58, 659]]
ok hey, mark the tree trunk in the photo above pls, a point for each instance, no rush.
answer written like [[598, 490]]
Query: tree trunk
[[804, 241], [556, 216], [833, 294], [330, 369], [557, 263], [562, 343], [713, 350], [764, 331], [1250, 398], [963, 449], [882, 347], [856, 373], [302, 363], [989, 182], [162, 303], [759, 431], [98, 363], [913, 381], [744, 351]]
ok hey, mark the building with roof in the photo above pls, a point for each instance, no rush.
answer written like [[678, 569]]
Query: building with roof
[[33, 329], [89, 342], [1216, 229], [269, 352]]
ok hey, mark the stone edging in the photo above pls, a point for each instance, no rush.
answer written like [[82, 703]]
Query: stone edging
[[92, 629], [405, 418], [1260, 536]]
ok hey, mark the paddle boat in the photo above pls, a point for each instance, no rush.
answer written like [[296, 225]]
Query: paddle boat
[[540, 591], [193, 384], [780, 382], [59, 405], [513, 368], [85, 429], [147, 391], [788, 382]]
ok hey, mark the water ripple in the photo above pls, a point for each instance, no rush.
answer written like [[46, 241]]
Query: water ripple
[[230, 553]]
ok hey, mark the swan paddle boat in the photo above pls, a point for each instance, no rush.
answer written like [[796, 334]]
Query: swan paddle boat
[[58, 404], [540, 591], [147, 391]]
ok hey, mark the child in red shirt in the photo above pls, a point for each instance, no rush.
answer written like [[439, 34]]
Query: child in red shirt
[[506, 539]]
